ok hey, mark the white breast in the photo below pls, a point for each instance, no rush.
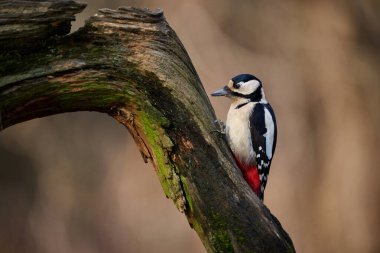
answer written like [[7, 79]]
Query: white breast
[[239, 134]]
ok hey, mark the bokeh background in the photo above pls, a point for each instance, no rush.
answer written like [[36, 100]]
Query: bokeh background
[[76, 182]]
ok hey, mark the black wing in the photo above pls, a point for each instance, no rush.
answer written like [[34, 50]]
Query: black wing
[[259, 141]]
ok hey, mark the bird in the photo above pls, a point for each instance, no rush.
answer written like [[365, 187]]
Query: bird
[[250, 129]]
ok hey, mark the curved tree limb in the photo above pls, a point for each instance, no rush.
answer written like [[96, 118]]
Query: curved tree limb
[[130, 64]]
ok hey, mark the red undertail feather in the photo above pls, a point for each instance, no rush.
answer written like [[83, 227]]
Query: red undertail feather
[[251, 175]]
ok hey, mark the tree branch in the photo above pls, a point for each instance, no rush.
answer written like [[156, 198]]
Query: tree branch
[[130, 64]]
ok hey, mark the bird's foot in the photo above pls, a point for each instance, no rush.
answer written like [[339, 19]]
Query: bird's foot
[[221, 127]]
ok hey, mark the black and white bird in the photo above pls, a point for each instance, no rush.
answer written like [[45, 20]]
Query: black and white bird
[[250, 129]]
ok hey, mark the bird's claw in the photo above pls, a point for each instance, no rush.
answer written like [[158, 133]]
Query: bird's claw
[[221, 127]]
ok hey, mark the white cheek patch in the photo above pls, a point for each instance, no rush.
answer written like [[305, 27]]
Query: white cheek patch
[[269, 135], [248, 87]]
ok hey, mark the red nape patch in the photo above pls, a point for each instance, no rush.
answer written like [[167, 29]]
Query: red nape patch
[[251, 175]]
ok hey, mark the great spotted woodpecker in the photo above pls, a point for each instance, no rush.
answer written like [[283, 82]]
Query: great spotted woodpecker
[[250, 129]]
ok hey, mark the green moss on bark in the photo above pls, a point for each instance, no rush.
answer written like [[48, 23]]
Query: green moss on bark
[[161, 146]]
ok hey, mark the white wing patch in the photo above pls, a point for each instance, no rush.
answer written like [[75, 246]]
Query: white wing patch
[[269, 135]]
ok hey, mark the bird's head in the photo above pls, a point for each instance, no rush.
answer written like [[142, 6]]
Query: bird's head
[[243, 86]]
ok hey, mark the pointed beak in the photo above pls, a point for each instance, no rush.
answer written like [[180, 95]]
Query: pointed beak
[[222, 92]]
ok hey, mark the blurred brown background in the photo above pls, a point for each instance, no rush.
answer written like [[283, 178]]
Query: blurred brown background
[[76, 182]]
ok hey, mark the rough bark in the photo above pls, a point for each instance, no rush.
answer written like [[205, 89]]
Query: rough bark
[[130, 64]]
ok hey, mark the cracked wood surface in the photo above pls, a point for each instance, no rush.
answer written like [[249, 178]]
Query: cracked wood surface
[[130, 64]]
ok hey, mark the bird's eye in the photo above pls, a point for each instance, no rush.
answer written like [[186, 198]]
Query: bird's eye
[[236, 85]]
